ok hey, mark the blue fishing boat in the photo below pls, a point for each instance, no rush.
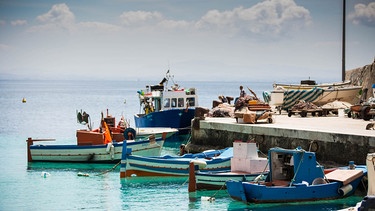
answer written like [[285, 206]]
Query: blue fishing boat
[[163, 106], [209, 160], [294, 176]]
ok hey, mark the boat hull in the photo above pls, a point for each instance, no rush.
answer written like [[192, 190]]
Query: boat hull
[[140, 166], [216, 180], [346, 94], [261, 193], [179, 119], [132, 165], [103, 153]]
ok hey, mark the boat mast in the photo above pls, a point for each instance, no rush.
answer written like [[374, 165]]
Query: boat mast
[[343, 39]]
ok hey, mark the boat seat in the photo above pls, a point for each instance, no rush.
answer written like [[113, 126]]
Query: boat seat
[[319, 181]]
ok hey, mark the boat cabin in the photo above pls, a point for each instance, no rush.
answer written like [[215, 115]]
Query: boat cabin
[[293, 165], [158, 98]]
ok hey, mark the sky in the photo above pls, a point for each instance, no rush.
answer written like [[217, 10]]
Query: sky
[[197, 40]]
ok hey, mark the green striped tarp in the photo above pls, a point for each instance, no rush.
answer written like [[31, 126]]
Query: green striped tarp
[[291, 97]]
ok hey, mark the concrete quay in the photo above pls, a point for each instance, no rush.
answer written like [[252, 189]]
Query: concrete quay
[[334, 139]]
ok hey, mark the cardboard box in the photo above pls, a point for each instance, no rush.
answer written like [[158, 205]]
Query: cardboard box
[[245, 150], [249, 165]]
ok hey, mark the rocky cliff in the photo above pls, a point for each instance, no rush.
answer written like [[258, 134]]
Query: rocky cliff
[[363, 76]]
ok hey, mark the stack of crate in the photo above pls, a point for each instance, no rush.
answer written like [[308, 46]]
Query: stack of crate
[[246, 159]]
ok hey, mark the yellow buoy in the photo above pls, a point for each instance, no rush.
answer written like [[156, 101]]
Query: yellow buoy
[[23, 100]]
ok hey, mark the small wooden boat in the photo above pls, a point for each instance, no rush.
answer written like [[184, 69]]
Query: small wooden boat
[[121, 130], [172, 107], [210, 160], [285, 96], [92, 147], [296, 176], [246, 165], [309, 84], [98, 153]]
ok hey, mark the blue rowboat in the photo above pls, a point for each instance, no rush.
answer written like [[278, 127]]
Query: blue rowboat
[[296, 176], [210, 160]]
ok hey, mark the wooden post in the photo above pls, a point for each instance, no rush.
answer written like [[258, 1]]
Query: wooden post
[[192, 183], [29, 143], [164, 135]]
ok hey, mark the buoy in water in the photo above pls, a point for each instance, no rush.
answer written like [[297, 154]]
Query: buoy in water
[[207, 198], [45, 174], [23, 100], [80, 174]]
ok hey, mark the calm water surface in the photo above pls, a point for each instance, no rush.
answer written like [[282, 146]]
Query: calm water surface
[[50, 112]]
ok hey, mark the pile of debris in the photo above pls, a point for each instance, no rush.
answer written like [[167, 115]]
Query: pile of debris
[[249, 109], [303, 108]]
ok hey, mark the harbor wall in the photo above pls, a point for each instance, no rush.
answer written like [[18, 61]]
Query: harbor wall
[[335, 147]]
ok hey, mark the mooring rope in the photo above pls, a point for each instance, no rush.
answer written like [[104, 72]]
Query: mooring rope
[[183, 183], [213, 196], [106, 171], [321, 167]]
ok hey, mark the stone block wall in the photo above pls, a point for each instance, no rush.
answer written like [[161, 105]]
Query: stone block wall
[[363, 76]]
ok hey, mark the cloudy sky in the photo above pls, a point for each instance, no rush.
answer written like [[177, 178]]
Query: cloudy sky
[[272, 40]]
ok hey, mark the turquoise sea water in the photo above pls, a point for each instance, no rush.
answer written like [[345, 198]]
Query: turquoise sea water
[[50, 112]]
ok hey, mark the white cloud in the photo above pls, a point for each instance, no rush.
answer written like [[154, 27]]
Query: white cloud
[[137, 18], [271, 17], [59, 17], [18, 22], [363, 14], [103, 27], [2, 22]]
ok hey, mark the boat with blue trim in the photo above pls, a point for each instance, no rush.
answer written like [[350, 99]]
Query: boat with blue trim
[[94, 147], [163, 106], [295, 176], [167, 165]]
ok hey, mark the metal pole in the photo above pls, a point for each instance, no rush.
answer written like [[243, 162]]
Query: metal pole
[[343, 39]]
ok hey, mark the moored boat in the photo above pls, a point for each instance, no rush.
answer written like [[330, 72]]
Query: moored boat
[[309, 84], [92, 147], [296, 176], [99, 153], [285, 96], [121, 130], [209, 160], [162, 106], [246, 165]]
